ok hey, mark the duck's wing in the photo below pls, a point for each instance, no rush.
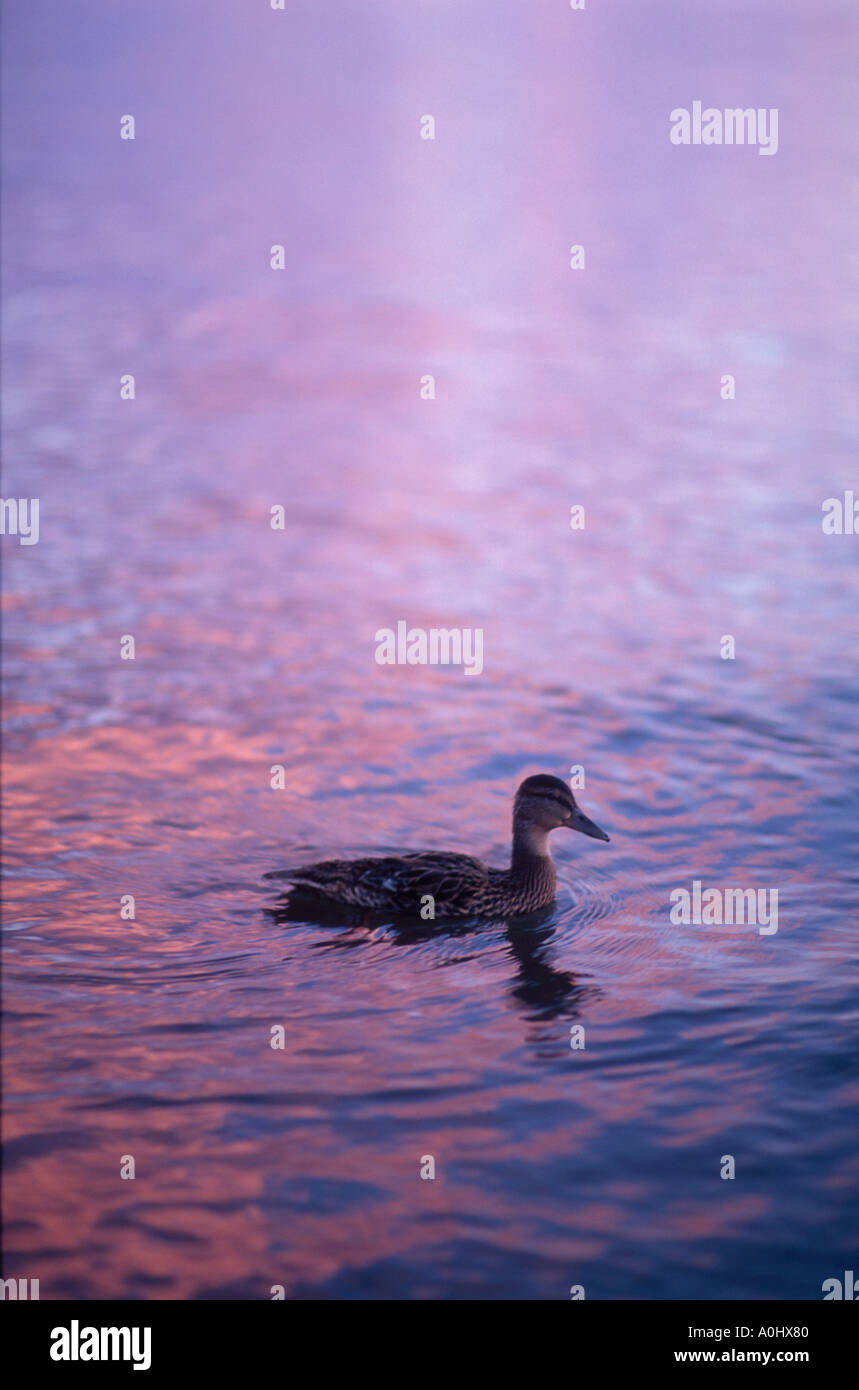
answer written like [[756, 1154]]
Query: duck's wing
[[455, 881], [399, 881]]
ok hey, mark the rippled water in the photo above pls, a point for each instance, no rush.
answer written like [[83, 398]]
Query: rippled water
[[254, 647]]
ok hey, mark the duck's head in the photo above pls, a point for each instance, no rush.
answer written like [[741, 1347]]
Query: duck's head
[[545, 803]]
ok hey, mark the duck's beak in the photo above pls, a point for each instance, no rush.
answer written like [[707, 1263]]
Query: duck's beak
[[581, 822]]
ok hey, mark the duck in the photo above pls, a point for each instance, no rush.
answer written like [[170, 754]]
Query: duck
[[457, 884]]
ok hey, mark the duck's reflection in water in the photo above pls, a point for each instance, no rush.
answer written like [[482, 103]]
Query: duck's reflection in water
[[544, 990], [538, 986]]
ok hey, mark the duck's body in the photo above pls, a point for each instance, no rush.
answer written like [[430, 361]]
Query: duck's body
[[458, 885]]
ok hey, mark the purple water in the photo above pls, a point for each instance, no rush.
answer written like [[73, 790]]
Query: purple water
[[255, 647]]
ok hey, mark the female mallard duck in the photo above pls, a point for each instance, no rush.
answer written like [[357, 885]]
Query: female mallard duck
[[459, 885]]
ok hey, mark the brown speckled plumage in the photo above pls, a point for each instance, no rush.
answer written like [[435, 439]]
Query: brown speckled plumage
[[459, 885]]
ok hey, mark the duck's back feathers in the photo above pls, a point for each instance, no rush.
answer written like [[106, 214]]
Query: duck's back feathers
[[456, 882]]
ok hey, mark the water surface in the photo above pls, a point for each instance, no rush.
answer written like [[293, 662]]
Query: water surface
[[254, 647]]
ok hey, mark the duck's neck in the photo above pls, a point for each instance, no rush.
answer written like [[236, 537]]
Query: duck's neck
[[530, 849]]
